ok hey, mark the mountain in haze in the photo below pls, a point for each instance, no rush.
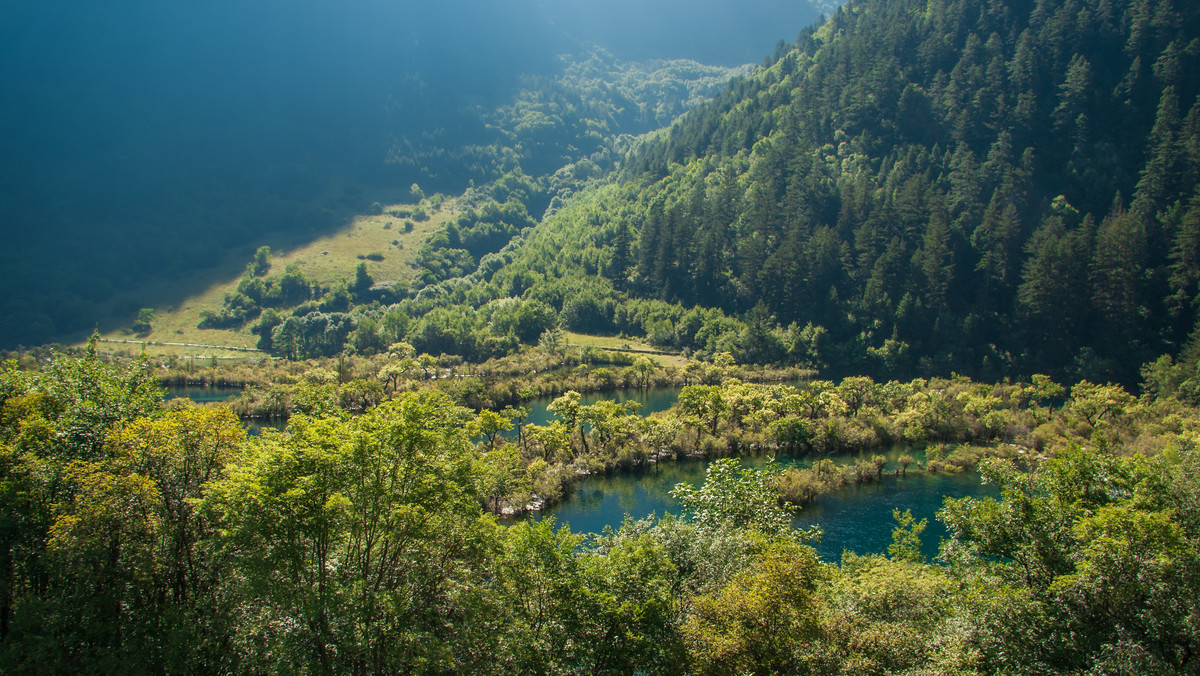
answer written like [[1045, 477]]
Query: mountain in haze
[[146, 140], [995, 188], [709, 31]]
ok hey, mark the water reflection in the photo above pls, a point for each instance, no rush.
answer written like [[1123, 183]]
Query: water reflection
[[652, 400], [858, 518], [202, 394]]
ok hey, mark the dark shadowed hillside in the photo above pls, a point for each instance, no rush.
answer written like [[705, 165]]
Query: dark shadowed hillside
[[147, 140]]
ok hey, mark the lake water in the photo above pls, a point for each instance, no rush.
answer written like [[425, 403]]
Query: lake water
[[652, 400], [858, 518], [201, 394]]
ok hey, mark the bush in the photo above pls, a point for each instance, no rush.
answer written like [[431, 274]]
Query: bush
[[714, 447], [791, 432], [144, 319]]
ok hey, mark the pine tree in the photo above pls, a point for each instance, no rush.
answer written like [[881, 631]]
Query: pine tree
[[621, 256], [935, 258], [1118, 278], [1052, 299]]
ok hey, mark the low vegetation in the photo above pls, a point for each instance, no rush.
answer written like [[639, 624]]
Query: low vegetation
[[160, 537]]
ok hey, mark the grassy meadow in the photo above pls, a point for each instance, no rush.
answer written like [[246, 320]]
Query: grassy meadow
[[328, 259], [623, 344]]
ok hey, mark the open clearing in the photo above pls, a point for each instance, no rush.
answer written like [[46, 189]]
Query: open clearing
[[619, 344], [329, 259]]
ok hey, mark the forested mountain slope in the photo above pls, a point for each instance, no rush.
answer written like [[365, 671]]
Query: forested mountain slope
[[997, 187]]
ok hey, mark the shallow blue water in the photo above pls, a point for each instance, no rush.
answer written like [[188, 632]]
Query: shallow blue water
[[858, 518]]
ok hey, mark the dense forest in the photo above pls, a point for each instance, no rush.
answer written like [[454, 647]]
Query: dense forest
[[991, 188]]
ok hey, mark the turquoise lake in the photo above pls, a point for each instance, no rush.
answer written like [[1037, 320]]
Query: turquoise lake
[[858, 518]]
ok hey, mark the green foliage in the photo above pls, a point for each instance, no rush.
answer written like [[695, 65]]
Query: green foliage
[[762, 620], [257, 293], [736, 497], [906, 537], [312, 335], [163, 539], [1097, 403], [568, 126], [933, 195], [340, 528], [261, 263], [132, 553], [538, 585], [1061, 548], [890, 616], [142, 326], [104, 556]]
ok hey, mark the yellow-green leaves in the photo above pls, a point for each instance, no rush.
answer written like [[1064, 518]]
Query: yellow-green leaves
[[762, 620], [360, 533]]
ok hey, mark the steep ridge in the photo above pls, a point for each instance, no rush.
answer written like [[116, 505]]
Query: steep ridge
[[996, 188]]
